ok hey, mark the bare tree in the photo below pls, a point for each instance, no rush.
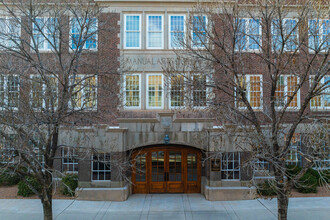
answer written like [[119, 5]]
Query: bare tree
[[50, 69], [266, 63]]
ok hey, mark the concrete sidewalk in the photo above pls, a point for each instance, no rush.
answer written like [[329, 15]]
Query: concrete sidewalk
[[166, 206]]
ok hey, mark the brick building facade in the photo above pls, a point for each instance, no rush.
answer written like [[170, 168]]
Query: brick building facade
[[145, 140]]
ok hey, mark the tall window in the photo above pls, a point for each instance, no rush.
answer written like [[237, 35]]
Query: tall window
[[230, 166], [155, 31], [322, 101], [101, 169], [248, 37], [132, 31], [43, 92], [252, 86], [293, 156], [84, 94], [69, 160], [9, 91], [285, 32], [199, 90], [199, 31], [37, 148], [177, 31], [7, 149], [177, 91], [319, 35], [84, 33], [45, 34], [11, 33], [155, 91], [286, 86], [132, 91]]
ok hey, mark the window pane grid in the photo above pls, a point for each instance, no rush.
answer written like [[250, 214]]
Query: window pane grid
[[199, 90], [12, 30], [199, 31], [322, 101], [84, 33], [7, 150], [132, 91], [101, 167], [155, 90], [84, 92], [292, 86], [132, 31], [248, 36], [176, 31], [177, 91], [155, 31], [69, 160], [230, 166]]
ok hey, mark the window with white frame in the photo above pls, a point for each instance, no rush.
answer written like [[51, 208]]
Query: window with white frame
[[155, 35], [319, 35], [323, 163], [132, 93], [177, 31], [248, 36], [199, 25], [84, 33], [293, 154], [252, 88], [7, 148], [37, 149], [45, 34], [84, 92], [9, 91], [155, 91], [43, 92], [69, 160], [132, 33], [261, 167], [11, 33], [285, 33], [199, 90], [230, 166], [285, 88], [101, 169], [177, 91], [322, 101]]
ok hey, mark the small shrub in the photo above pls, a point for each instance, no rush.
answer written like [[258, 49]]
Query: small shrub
[[326, 175], [307, 184], [69, 184], [9, 179], [316, 174], [292, 170], [267, 188], [24, 190]]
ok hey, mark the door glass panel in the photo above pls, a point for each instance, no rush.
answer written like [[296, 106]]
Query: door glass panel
[[175, 166], [140, 165], [157, 170], [191, 167]]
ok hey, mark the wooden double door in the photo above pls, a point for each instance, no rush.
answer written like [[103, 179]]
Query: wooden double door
[[170, 169]]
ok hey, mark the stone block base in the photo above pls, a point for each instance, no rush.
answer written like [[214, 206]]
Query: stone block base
[[103, 194], [229, 193]]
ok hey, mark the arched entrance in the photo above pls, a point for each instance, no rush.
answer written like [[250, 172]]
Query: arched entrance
[[167, 169]]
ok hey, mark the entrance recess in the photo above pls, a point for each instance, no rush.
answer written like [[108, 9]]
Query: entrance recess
[[166, 169]]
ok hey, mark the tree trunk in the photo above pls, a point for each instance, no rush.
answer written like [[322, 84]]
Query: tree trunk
[[47, 197], [282, 205], [48, 209]]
